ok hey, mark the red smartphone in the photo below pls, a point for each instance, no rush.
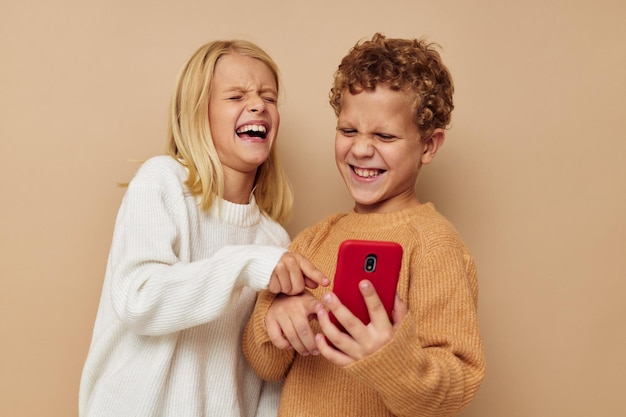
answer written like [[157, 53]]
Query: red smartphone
[[376, 261]]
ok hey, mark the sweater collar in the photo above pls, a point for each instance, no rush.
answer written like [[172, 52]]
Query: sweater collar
[[237, 214], [365, 222]]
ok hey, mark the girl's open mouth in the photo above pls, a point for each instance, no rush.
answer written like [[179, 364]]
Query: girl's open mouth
[[252, 131]]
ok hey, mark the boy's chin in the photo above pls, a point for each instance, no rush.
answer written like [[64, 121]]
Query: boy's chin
[[367, 206]]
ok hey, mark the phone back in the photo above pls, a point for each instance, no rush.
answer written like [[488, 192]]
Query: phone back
[[376, 261]]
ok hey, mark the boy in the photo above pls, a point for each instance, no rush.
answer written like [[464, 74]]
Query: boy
[[393, 100]]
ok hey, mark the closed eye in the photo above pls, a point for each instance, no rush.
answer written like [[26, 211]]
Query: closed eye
[[384, 137], [347, 132]]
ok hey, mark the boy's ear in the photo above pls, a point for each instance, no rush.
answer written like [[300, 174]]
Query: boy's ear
[[432, 145]]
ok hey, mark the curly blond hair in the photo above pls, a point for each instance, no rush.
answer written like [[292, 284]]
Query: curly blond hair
[[412, 66]]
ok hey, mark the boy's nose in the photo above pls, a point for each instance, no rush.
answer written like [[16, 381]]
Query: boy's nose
[[363, 145]]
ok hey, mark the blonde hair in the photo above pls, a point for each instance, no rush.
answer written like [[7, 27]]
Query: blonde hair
[[189, 135]]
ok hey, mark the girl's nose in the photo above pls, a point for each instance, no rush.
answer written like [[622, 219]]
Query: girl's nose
[[256, 105]]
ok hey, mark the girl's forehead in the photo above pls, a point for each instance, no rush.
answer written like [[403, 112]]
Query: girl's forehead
[[243, 73]]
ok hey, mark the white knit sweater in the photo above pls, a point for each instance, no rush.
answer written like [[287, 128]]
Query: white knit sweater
[[179, 287]]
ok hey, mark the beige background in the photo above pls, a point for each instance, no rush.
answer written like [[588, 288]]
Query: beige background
[[532, 173]]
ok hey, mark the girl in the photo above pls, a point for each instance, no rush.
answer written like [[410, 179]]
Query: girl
[[197, 234]]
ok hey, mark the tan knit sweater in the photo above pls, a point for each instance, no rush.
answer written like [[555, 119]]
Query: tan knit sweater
[[435, 363]]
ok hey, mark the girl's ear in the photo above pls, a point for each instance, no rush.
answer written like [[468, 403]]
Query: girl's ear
[[432, 145]]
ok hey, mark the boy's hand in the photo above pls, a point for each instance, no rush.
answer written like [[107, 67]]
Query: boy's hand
[[293, 272], [287, 322], [361, 340]]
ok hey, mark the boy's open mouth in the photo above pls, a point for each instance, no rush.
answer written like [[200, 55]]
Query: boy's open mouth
[[252, 131], [366, 172]]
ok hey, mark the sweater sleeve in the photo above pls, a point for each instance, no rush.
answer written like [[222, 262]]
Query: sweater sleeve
[[269, 362], [155, 292], [442, 362]]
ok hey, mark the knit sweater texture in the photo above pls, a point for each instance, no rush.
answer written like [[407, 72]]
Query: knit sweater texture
[[180, 285], [434, 364]]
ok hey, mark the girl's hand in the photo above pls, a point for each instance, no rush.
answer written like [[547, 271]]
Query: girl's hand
[[287, 322], [293, 272], [361, 340]]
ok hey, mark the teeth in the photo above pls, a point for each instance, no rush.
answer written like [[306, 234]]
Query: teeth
[[366, 173], [252, 128]]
